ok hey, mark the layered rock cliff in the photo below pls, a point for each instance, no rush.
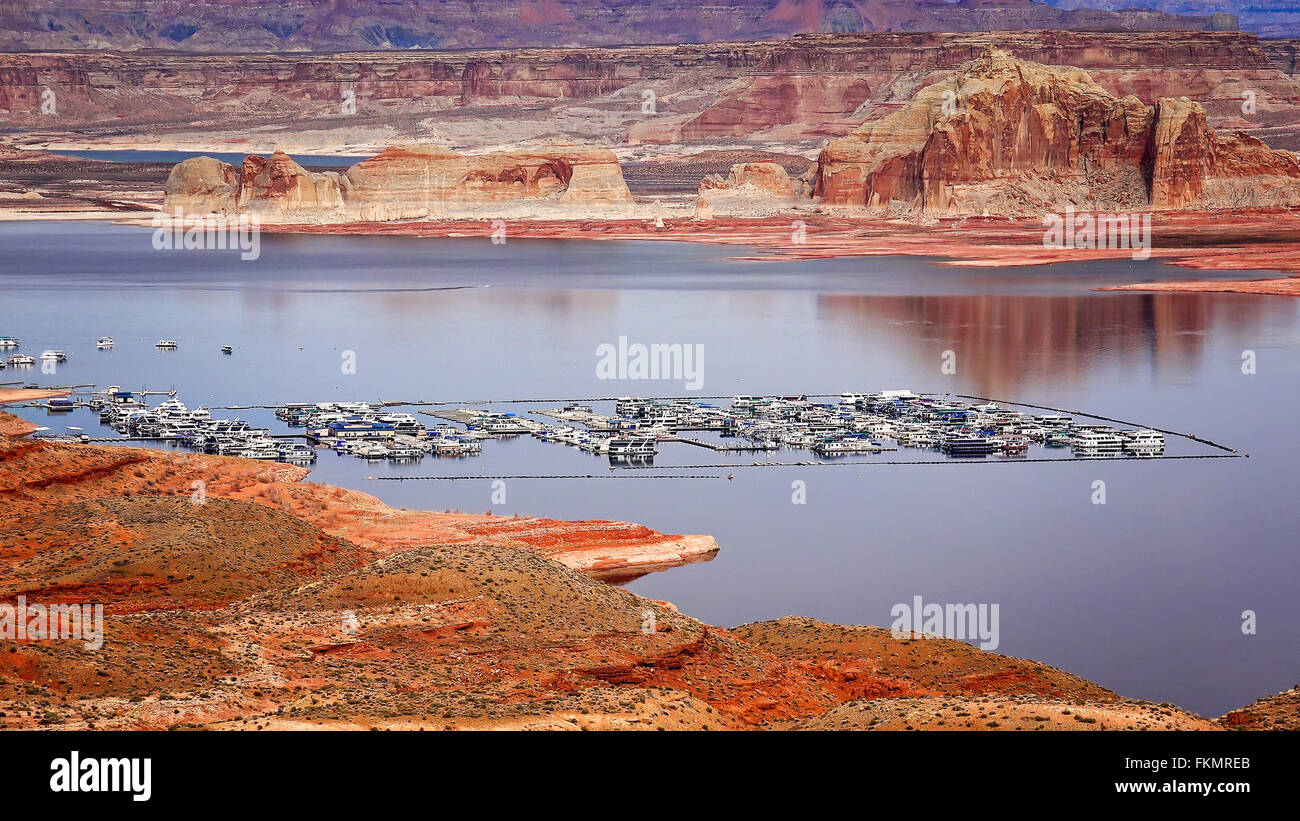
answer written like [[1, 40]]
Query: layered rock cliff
[[304, 25], [407, 182], [1009, 136], [702, 91]]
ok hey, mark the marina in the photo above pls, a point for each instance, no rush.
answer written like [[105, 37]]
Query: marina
[[631, 431]]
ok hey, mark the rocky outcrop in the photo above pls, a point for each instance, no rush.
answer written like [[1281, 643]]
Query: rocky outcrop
[[201, 186], [1009, 136], [277, 187], [1195, 167], [408, 182], [751, 189]]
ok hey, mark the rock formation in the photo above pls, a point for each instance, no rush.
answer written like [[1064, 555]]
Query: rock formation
[[1196, 167], [809, 87], [751, 189], [300, 25], [277, 187], [1009, 136], [203, 185], [408, 182]]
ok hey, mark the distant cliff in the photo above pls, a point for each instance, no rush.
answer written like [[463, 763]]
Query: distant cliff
[[1009, 136], [809, 87], [351, 25]]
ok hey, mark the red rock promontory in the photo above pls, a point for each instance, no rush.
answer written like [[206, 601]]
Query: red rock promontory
[[1008, 136]]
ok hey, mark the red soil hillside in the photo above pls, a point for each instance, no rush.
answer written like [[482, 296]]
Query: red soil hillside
[[279, 605], [43, 476]]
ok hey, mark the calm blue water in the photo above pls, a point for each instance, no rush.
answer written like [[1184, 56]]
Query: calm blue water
[[1143, 594]]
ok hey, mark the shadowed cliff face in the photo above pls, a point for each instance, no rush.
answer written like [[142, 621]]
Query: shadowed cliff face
[[327, 25]]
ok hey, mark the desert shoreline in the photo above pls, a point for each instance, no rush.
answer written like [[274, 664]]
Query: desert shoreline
[[395, 565], [1246, 241]]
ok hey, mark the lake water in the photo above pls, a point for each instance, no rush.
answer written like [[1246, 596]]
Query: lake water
[[1143, 594]]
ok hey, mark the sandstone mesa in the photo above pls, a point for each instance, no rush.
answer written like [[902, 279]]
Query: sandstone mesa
[[1012, 137], [406, 182]]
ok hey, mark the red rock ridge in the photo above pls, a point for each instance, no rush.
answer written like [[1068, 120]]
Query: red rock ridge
[[407, 182], [1010, 136]]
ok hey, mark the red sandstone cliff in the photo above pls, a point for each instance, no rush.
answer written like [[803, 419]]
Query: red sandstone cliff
[[407, 182], [1009, 136]]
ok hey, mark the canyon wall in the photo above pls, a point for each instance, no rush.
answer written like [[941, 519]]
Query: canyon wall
[[302, 25], [808, 79], [406, 182], [1009, 136]]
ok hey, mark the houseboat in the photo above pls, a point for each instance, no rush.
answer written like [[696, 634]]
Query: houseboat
[[632, 447], [967, 446], [1144, 442], [297, 452], [1096, 441], [841, 447], [372, 450], [166, 345], [1015, 446], [104, 342]]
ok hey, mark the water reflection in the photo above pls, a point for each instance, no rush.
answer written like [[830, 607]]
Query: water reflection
[[1005, 342]]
